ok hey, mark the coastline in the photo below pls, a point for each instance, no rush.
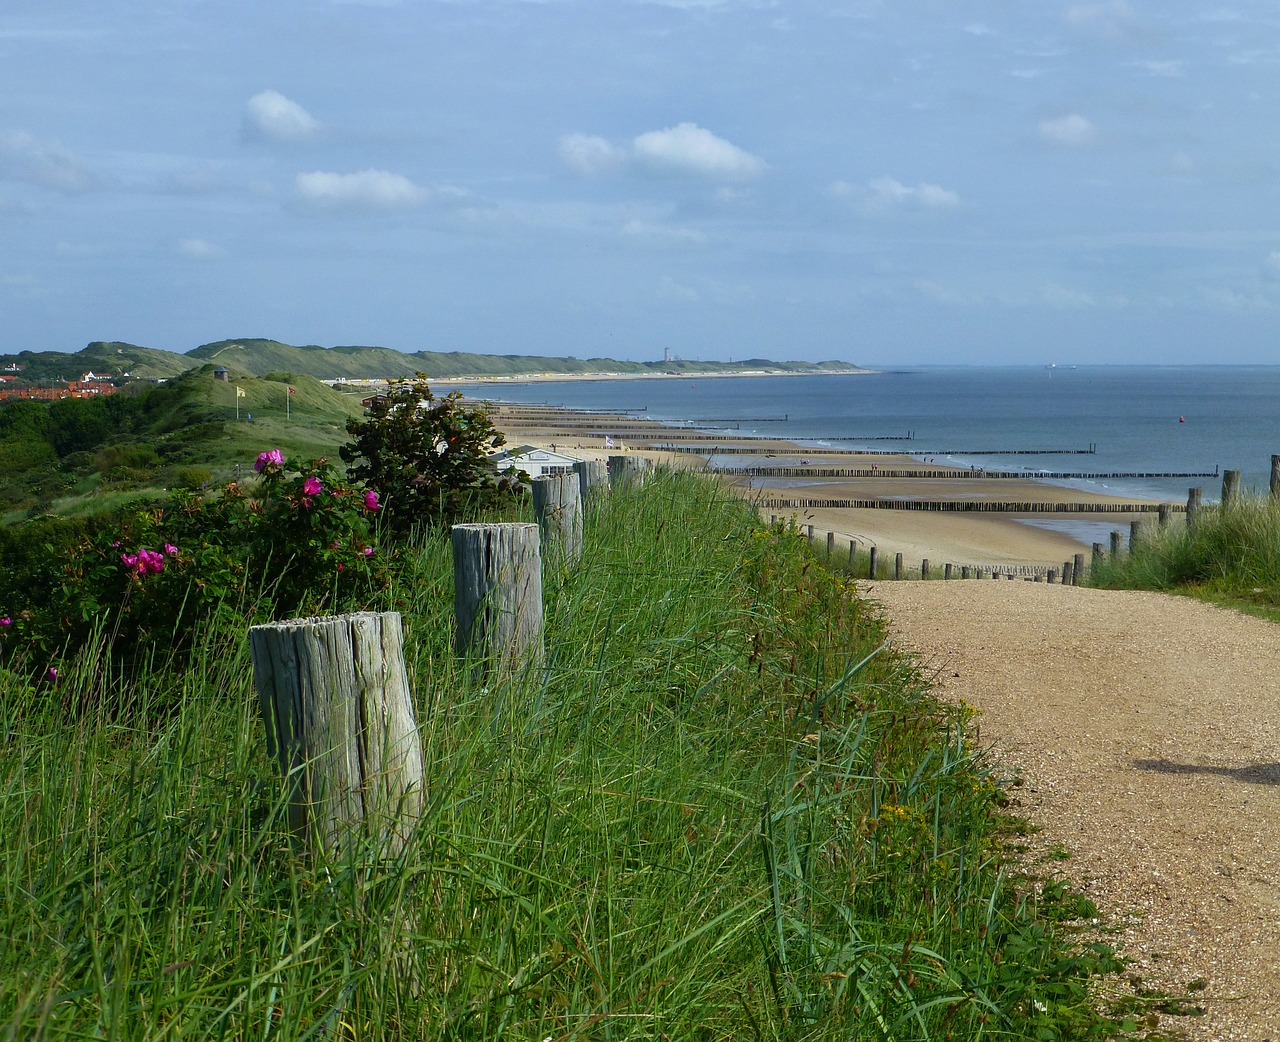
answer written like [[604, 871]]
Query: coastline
[[963, 538]]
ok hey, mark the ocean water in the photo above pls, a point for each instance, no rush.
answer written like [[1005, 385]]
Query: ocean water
[[1138, 418]]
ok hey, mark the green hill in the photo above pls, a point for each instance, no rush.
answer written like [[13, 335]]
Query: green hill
[[112, 357]]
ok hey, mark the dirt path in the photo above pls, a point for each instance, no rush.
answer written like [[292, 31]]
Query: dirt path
[[1147, 731]]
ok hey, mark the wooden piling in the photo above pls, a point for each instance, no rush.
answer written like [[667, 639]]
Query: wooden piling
[[557, 504], [335, 698], [626, 471], [1077, 571], [1163, 512], [1275, 477], [1098, 554], [497, 575], [924, 568], [1195, 499], [1068, 574], [946, 570], [593, 480], [964, 571], [1230, 488], [871, 569], [831, 545], [897, 566], [1117, 543]]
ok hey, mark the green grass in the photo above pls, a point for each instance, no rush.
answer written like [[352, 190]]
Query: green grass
[[724, 809], [1229, 557]]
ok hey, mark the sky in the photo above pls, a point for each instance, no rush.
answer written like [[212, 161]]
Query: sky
[[898, 182]]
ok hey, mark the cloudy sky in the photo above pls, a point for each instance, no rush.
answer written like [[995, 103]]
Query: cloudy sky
[[906, 181]]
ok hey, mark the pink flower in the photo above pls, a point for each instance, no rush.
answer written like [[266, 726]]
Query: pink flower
[[371, 500], [170, 549], [129, 560], [6, 621], [312, 486], [367, 551], [52, 675], [269, 460]]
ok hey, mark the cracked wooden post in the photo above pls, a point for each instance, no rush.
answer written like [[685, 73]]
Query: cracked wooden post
[[1195, 498], [897, 566], [628, 470], [1230, 488], [924, 568], [831, 545], [1077, 569], [335, 698], [1275, 477], [593, 479], [497, 594], [871, 568], [1117, 543], [557, 504]]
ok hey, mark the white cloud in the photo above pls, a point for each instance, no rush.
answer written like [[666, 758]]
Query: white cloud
[[662, 234], [887, 193], [43, 163], [688, 148], [366, 190], [272, 116], [1074, 131], [1165, 68], [200, 249], [587, 154]]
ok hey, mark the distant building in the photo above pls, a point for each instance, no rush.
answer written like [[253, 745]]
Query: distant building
[[533, 461], [221, 374]]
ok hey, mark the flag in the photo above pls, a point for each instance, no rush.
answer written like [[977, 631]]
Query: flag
[[239, 392], [292, 391], [608, 442]]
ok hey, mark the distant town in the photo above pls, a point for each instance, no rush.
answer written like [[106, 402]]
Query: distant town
[[89, 385]]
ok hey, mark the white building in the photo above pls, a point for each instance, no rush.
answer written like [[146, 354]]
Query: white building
[[534, 462]]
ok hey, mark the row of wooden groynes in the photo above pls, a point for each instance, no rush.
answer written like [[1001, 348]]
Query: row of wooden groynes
[[334, 692]]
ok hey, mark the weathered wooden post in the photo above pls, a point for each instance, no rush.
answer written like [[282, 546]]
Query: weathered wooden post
[[946, 570], [831, 545], [335, 699], [1135, 535], [593, 478], [1163, 512], [871, 569], [897, 566], [853, 548], [627, 470], [497, 596], [1068, 574], [1051, 576], [1230, 488], [1098, 554], [557, 504], [1077, 571], [924, 568], [964, 571], [1117, 543], [1195, 498], [1275, 477], [810, 529]]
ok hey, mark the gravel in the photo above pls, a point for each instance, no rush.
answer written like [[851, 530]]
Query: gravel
[[1146, 731]]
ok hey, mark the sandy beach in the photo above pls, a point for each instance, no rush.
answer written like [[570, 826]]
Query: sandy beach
[[961, 538]]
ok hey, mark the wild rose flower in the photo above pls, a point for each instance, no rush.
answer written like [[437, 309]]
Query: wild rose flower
[[170, 549], [312, 486], [367, 551], [129, 560], [269, 460], [52, 675], [6, 621], [371, 500]]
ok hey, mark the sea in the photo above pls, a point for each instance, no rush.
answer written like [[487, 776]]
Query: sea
[[1095, 419]]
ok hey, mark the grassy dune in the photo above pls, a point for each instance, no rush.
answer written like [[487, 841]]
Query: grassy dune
[[722, 810]]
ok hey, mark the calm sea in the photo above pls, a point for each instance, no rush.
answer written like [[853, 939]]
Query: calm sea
[[1139, 418]]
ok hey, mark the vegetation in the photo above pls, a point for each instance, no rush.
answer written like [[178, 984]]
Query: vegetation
[[1230, 556], [426, 456], [724, 809], [257, 356]]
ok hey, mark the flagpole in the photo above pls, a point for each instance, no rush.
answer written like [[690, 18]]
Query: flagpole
[[286, 401]]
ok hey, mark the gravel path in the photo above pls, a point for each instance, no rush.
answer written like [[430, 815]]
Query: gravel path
[[1147, 732]]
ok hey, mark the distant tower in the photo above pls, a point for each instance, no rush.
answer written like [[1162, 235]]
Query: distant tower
[[221, 374], [666, 354]]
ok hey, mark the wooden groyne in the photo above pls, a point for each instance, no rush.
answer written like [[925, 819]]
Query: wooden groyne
[[958, 474], [974, 506], [708, 448]]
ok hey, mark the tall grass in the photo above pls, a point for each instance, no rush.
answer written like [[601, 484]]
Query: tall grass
[[1230, 555], [723, 809]]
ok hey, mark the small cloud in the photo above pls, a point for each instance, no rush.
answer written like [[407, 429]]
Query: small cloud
[[1065, 298], [1072, 131], [1110, 20], [688, 148], [366, 190], [273, 117], [200, 249], [589, 155], [887, 193], [662, 234], [43, 163], [1164, 69]]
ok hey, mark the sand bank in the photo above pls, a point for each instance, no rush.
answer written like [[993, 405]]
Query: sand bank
[[960, 538]]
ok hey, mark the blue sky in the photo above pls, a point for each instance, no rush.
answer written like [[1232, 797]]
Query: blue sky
[[883, 182]]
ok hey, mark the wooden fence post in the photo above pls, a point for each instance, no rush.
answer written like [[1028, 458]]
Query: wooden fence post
[[964, 571], [593, 478], [924, 568], [1275, 477], [853, 547], [946, 570], [897, 566], [557, 504], [335, 698], [811, 535], [1098, 554], [628, 470], [1051, 576], [1163, 513], [831, 545], [1068, 574], [871, 569], [1135, 535], [497, 595], [1195, 497], [1077, 570], [1230, 488], [1117, 543]]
